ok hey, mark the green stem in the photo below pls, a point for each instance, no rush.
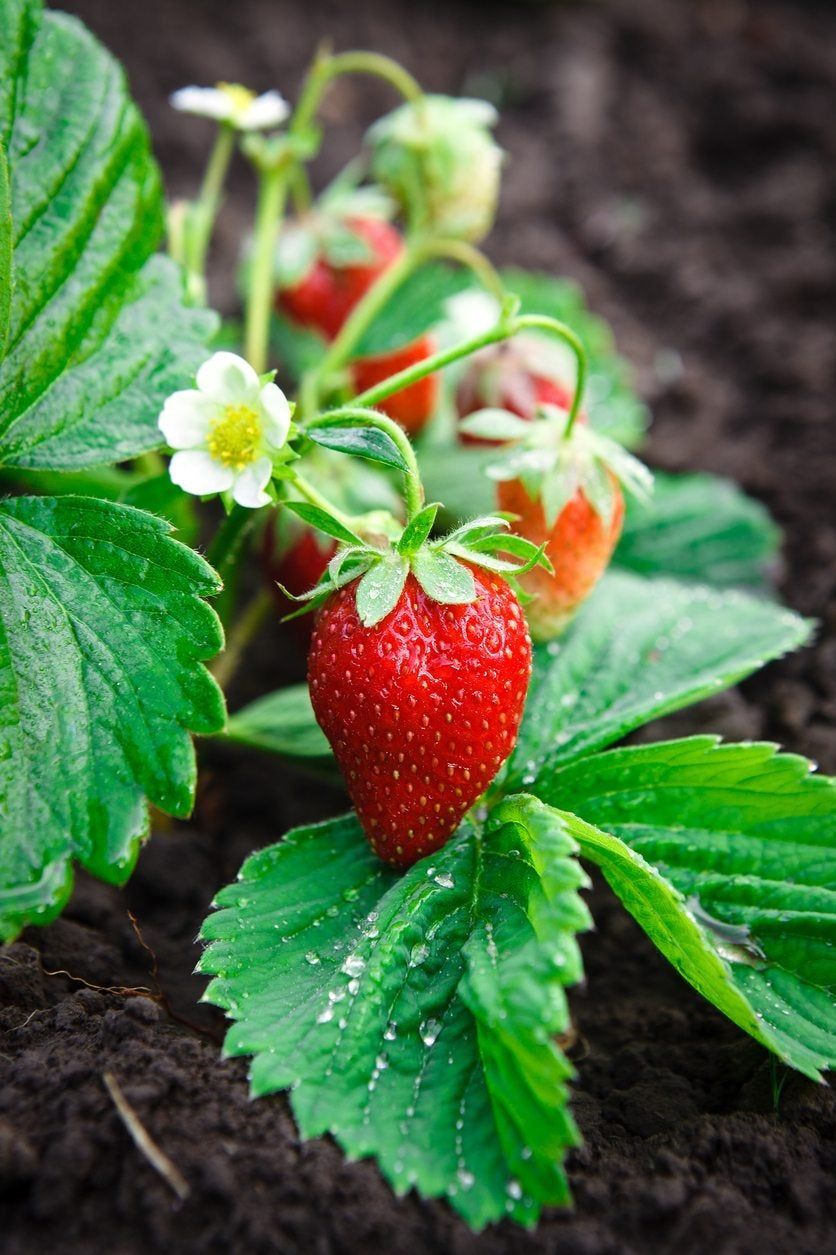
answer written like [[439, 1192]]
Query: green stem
[[542, 322], [245, 629], [504, 330], [349, 415], [366, 310], [205, 211], [271, 198], [327, 67]]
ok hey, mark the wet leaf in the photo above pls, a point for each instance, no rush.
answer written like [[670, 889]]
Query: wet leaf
[[413, 1016]]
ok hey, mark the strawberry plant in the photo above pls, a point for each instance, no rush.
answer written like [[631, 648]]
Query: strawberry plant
[[403, 969]]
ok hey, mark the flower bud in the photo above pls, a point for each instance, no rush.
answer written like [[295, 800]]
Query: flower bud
[[438, 158]]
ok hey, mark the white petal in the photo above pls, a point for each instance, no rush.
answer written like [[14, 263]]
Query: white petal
[[248, 489], [186, 417], [196, 472], [266, 111], [275, 415], [227, 378], [206, 102]]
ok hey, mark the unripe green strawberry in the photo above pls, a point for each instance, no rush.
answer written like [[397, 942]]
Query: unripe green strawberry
[[422, 709], [579, 545]]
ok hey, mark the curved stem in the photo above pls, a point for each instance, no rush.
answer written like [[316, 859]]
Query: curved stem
[[327, 67], [504, 330], [351, 415], [271, 198], [542, 322]]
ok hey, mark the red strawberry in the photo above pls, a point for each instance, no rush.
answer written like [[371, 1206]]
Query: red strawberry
[[412, 407], [579, 546], [421, 709], [326, 295]]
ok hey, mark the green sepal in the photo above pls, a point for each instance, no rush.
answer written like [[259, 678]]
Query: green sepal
[[380, 589], [443, 578], [418, 530]]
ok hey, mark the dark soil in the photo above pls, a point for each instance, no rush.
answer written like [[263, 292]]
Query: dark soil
[[679, 160]]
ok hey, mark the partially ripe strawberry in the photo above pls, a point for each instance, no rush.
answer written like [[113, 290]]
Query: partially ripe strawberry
[[579, 545], [412, 407], [326, 294], [422, 708], [562, 483]]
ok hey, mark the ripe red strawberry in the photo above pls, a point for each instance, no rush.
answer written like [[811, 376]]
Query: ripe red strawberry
[[579, 545], [422, 709], [326, 295], [412, 407]]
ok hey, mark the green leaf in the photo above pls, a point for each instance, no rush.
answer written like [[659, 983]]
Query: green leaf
[[6, 276], [380, 589], [610, 401], [360, 442], [97, 333], [638, 650], [413, 1016], [102, 633], [323, 521], [414, 308], [701, 528], [726, 854], [418, 529], [443, 578], [282, 723]]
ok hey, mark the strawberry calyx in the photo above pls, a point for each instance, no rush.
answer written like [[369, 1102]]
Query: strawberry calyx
[[555, 459], [379, 553]]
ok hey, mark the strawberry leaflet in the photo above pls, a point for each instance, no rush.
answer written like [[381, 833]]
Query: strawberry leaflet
[[414, 1017]]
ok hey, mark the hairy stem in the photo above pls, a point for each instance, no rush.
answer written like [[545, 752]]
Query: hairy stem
[[357, 415]]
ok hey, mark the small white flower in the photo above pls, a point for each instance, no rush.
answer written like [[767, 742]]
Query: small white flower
[[233, 104], [227, 431]]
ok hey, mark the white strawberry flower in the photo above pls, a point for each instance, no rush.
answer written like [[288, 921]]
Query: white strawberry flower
[[233, 104], [227, 432]]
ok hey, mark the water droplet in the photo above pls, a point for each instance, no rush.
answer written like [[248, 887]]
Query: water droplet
[[445, 880], [313, 958], [353, 965], [391, 1031], [325, 1015], [418, 954], [429, 1030]]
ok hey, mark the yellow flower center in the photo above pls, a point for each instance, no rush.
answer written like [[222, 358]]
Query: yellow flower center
[[239, 97], [235, 438]]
